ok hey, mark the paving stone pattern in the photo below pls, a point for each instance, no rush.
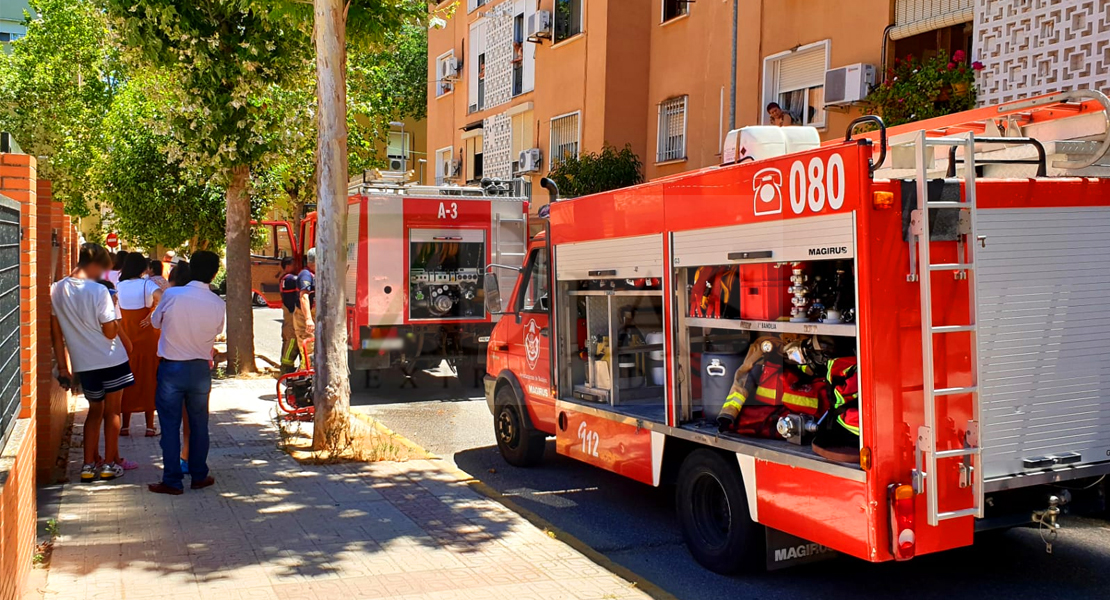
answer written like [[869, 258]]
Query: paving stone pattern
[[274, 529]]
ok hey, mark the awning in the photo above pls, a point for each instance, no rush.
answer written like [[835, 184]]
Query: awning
[[912, 17], [472, 125]]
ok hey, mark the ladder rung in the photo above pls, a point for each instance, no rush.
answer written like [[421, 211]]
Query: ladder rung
[[957, 452], [952, 328], [956, 390], [955, 514], [934, 142], [946, 204], [950, 266]]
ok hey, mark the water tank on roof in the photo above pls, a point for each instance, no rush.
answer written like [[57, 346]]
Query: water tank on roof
[[760, 142]]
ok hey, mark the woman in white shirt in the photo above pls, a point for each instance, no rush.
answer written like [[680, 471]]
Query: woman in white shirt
[[138, 296], [117, 265]]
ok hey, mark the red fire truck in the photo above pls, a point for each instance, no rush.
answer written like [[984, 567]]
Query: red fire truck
[[417, 256], [876, 346]]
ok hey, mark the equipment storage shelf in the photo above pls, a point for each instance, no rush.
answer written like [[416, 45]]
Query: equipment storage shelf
[[791, 324], [617, 357], [842, 329]]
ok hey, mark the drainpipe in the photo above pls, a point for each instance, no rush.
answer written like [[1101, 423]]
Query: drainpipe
[[732, 92]]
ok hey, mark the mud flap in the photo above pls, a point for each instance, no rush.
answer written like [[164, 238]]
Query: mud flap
[[785, 550]]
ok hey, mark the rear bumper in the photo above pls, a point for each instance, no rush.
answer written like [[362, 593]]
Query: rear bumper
[[490, 383]]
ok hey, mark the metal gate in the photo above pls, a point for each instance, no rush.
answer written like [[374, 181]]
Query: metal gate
[[11, 378]]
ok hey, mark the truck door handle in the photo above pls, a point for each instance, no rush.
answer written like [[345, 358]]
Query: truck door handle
[[544, 332]]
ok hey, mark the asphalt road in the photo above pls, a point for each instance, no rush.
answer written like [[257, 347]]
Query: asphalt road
[[634, 524]]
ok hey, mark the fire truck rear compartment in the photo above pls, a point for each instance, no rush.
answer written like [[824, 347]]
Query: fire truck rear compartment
[[1045, 360]]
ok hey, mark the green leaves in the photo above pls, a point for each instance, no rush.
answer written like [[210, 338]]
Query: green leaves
[[915, 89], [592, 173], [55, 87], [220, 62], [155, 200]]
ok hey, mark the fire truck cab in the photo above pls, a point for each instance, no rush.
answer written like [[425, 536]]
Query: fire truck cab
[[416, 262], [957, 266]]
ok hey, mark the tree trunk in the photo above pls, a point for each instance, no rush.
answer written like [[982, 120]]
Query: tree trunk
[[297, 204], [332, 388], [240, 318]]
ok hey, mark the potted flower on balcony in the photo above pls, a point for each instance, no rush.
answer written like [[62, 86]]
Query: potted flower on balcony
[[915, 89]]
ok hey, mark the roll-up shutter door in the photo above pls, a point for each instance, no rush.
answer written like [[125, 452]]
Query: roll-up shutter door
[[620, 258], [912, 17], [802, 69]]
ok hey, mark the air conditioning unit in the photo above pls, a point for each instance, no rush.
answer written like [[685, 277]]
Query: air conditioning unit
[[529, 160], [539, 25], [450, 67], [849, 84], [396, 163]]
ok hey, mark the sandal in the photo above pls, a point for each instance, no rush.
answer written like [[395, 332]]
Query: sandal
[[125, 431], [151, 432]]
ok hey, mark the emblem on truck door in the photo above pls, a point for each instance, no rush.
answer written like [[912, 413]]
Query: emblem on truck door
[[532, 343]]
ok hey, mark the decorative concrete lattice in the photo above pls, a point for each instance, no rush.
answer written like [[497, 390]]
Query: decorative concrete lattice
[[499, 55], [1032, 47], [497, 160]]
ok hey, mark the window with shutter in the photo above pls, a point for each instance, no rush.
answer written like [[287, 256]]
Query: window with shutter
[[796, 82]]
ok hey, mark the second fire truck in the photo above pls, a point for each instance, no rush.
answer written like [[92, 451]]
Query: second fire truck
[[416, 262]]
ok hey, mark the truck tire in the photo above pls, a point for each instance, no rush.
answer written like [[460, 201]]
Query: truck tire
[[713, 513], [520, 445]]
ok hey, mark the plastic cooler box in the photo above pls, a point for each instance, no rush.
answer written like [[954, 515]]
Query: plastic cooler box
[[764, 294]]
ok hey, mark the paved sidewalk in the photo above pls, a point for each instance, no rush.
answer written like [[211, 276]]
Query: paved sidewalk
[[273, 529]]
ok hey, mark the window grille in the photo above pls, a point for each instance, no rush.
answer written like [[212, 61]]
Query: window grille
[[564, 137], [672, 130]]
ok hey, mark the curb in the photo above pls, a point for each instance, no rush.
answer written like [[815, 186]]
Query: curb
[[404, 441], [634, 579]]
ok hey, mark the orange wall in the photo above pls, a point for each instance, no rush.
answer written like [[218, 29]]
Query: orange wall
[[855, 34], [18, 181], [690, 56], [626, 62]]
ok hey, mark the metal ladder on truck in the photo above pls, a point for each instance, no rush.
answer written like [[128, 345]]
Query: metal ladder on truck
[[927, 454], [510, 239]]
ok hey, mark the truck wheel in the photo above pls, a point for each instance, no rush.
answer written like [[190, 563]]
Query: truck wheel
[[713, 513], [520, 445]]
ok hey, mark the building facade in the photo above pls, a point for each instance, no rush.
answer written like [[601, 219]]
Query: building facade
[[516, 84], [12, 15]]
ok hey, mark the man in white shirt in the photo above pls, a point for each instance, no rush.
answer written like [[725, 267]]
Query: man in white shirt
[[190, 317], [83, 320]]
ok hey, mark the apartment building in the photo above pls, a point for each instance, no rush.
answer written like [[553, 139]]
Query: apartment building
[[516, 84], [12, 15]]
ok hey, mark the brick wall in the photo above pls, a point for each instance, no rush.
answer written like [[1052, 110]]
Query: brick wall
[[18, 181], [53, 401]]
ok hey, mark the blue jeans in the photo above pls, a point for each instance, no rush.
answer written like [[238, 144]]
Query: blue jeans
[[183, 385]]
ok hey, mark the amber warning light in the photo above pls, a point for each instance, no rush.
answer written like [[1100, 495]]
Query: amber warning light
[[903, 538], [882, 200]]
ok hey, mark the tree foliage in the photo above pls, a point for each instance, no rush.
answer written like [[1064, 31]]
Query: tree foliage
[[592, 173], [221, 61], [56, 87], [155, 200]]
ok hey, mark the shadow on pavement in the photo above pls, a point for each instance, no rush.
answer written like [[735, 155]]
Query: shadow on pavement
[[267, 516], [635, 525]]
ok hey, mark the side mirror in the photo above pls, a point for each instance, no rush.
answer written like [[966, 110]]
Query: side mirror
[[492, 293]]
